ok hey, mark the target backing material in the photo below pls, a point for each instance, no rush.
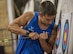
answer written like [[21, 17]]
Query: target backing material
[[65, 36]]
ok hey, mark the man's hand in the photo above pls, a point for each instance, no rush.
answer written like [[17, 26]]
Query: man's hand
[[43, 35], [34, 35]]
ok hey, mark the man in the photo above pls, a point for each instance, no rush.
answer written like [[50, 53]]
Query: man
[[39, 30]]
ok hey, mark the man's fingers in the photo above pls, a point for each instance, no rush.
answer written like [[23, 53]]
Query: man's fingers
[[34, 36], [44, 35]]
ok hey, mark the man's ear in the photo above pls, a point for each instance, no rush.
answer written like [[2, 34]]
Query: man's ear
[[40, 14]]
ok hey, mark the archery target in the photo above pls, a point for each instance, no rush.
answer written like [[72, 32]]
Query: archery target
[[63, 32], [58, 35], [65, 36]]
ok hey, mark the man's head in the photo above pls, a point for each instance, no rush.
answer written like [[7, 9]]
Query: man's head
[[47, 12], [47, 7]]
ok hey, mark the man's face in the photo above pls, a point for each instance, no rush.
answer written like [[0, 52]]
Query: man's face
[[47, 20]]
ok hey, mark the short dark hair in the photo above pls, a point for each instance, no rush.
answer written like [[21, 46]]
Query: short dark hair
[[47, 7]]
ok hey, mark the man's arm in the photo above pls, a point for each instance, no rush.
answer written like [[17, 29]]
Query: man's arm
[[14, 27], [53, 36], [48, 46]]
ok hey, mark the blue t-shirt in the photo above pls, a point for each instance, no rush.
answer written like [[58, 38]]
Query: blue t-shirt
[[29, 46]]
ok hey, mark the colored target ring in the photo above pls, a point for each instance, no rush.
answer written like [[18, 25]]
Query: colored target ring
[[65, 36], [58, 35]]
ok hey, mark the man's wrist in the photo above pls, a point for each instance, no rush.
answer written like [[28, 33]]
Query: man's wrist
[[28, 32]]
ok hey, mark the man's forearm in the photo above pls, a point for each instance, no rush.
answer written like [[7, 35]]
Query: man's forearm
[[45, 46]]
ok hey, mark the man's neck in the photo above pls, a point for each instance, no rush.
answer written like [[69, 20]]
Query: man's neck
[[42, 25]]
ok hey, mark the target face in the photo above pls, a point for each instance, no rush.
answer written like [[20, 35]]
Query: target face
[[65, 36], [58, 35]]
